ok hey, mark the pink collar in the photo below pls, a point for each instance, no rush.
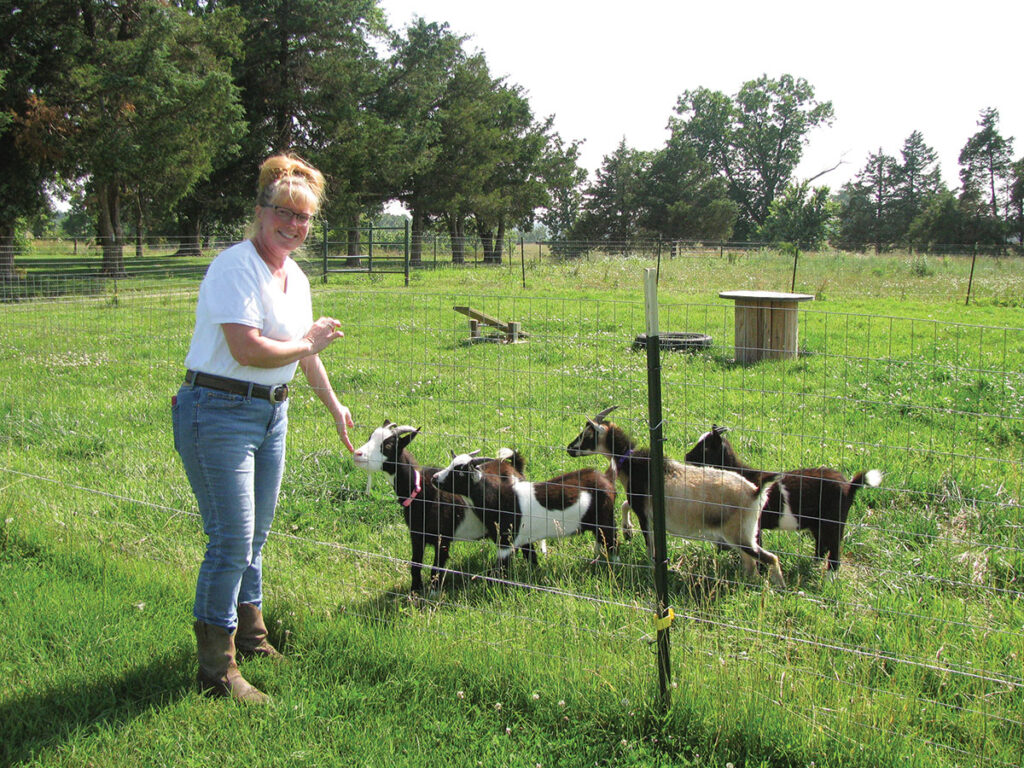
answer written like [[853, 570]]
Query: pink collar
[[415, 491]]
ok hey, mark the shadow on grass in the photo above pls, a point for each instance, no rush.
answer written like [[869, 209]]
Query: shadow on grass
[[474, 580], [38, 721]]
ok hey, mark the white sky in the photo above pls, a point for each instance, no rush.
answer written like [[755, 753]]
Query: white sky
[[613, 70]]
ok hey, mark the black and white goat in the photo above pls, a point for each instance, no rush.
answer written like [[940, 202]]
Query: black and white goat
[[576, 501], [700, 502], [815, 499], [434, 517]]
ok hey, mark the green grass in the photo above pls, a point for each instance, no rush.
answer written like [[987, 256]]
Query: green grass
[[913, 655]]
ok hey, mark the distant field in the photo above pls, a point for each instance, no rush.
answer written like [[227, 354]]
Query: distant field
[[913, 655]]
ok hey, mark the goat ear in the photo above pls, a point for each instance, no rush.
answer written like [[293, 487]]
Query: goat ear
[[600, 417]]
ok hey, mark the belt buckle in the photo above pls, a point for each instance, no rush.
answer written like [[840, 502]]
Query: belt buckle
[[277, 393]]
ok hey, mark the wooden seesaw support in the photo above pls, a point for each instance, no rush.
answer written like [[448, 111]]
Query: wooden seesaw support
[[513, 331]]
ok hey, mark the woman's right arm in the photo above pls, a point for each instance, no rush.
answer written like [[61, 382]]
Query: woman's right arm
[[250, 347]]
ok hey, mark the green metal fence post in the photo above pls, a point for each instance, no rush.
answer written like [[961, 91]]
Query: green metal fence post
[[663, 613]]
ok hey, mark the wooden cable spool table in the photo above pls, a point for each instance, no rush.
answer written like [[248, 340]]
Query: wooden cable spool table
[[767, 324]]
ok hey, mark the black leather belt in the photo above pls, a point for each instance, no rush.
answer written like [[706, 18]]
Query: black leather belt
[[276, 393]]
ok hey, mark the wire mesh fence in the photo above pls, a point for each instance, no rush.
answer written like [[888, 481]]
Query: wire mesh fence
[[917, 638]]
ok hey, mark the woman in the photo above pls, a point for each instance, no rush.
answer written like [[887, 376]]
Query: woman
[[254, 324]]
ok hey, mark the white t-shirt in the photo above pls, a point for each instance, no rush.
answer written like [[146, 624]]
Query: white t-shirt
[[239, 288]]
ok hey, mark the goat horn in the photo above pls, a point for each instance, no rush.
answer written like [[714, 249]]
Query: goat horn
[[388, 423], [719, 430], [600, 417]]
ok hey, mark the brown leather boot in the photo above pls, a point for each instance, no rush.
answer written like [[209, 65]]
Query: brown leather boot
[[251, 635], [218, 672]]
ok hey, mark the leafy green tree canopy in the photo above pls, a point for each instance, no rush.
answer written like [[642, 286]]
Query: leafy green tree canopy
[[985, 166], [755, 138], [802, 216]]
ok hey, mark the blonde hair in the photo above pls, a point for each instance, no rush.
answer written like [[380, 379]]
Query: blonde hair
[[287, 177]]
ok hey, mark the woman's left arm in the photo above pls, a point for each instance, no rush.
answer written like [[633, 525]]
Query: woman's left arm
[[317, 377]]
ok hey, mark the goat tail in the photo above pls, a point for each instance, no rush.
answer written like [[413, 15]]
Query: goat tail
[[870, 479]]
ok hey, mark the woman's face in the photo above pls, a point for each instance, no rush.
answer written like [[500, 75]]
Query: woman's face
[[285, 223]]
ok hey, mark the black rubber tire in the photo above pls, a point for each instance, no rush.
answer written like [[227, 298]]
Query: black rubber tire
[[671, 340]]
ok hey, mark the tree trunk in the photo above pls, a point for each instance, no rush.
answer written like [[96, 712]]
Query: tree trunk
[[190, 240], [992, 191], [138, 231], [499, 243], [111, 234], [353, 241], [456, 228], [416, 237], [486, 243]]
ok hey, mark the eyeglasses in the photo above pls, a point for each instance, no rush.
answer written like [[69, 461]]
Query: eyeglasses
[[287, 215]]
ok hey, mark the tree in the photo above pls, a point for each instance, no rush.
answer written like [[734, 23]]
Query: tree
[[564, 180], [755, 139], [985, 162], [516, 184], [306, 80], [917, 180], [337, 119], [36, 51], [868, 205], [149, 98], [800, 215], [422, 63], [855, 225], [611, 207], [1017, 202], [942, 222], [681, 196], [467, 150]]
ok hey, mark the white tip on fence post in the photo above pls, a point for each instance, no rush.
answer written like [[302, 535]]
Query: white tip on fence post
[[651, 300]]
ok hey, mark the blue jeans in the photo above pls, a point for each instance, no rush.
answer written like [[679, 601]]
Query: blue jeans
[[233, 450]]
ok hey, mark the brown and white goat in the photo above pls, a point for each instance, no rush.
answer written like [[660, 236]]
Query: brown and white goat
[[567, 504], [434, 517], [700, 502], [815, 499]]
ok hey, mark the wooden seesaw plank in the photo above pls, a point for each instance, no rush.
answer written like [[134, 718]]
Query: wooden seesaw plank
[[488, 320]]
